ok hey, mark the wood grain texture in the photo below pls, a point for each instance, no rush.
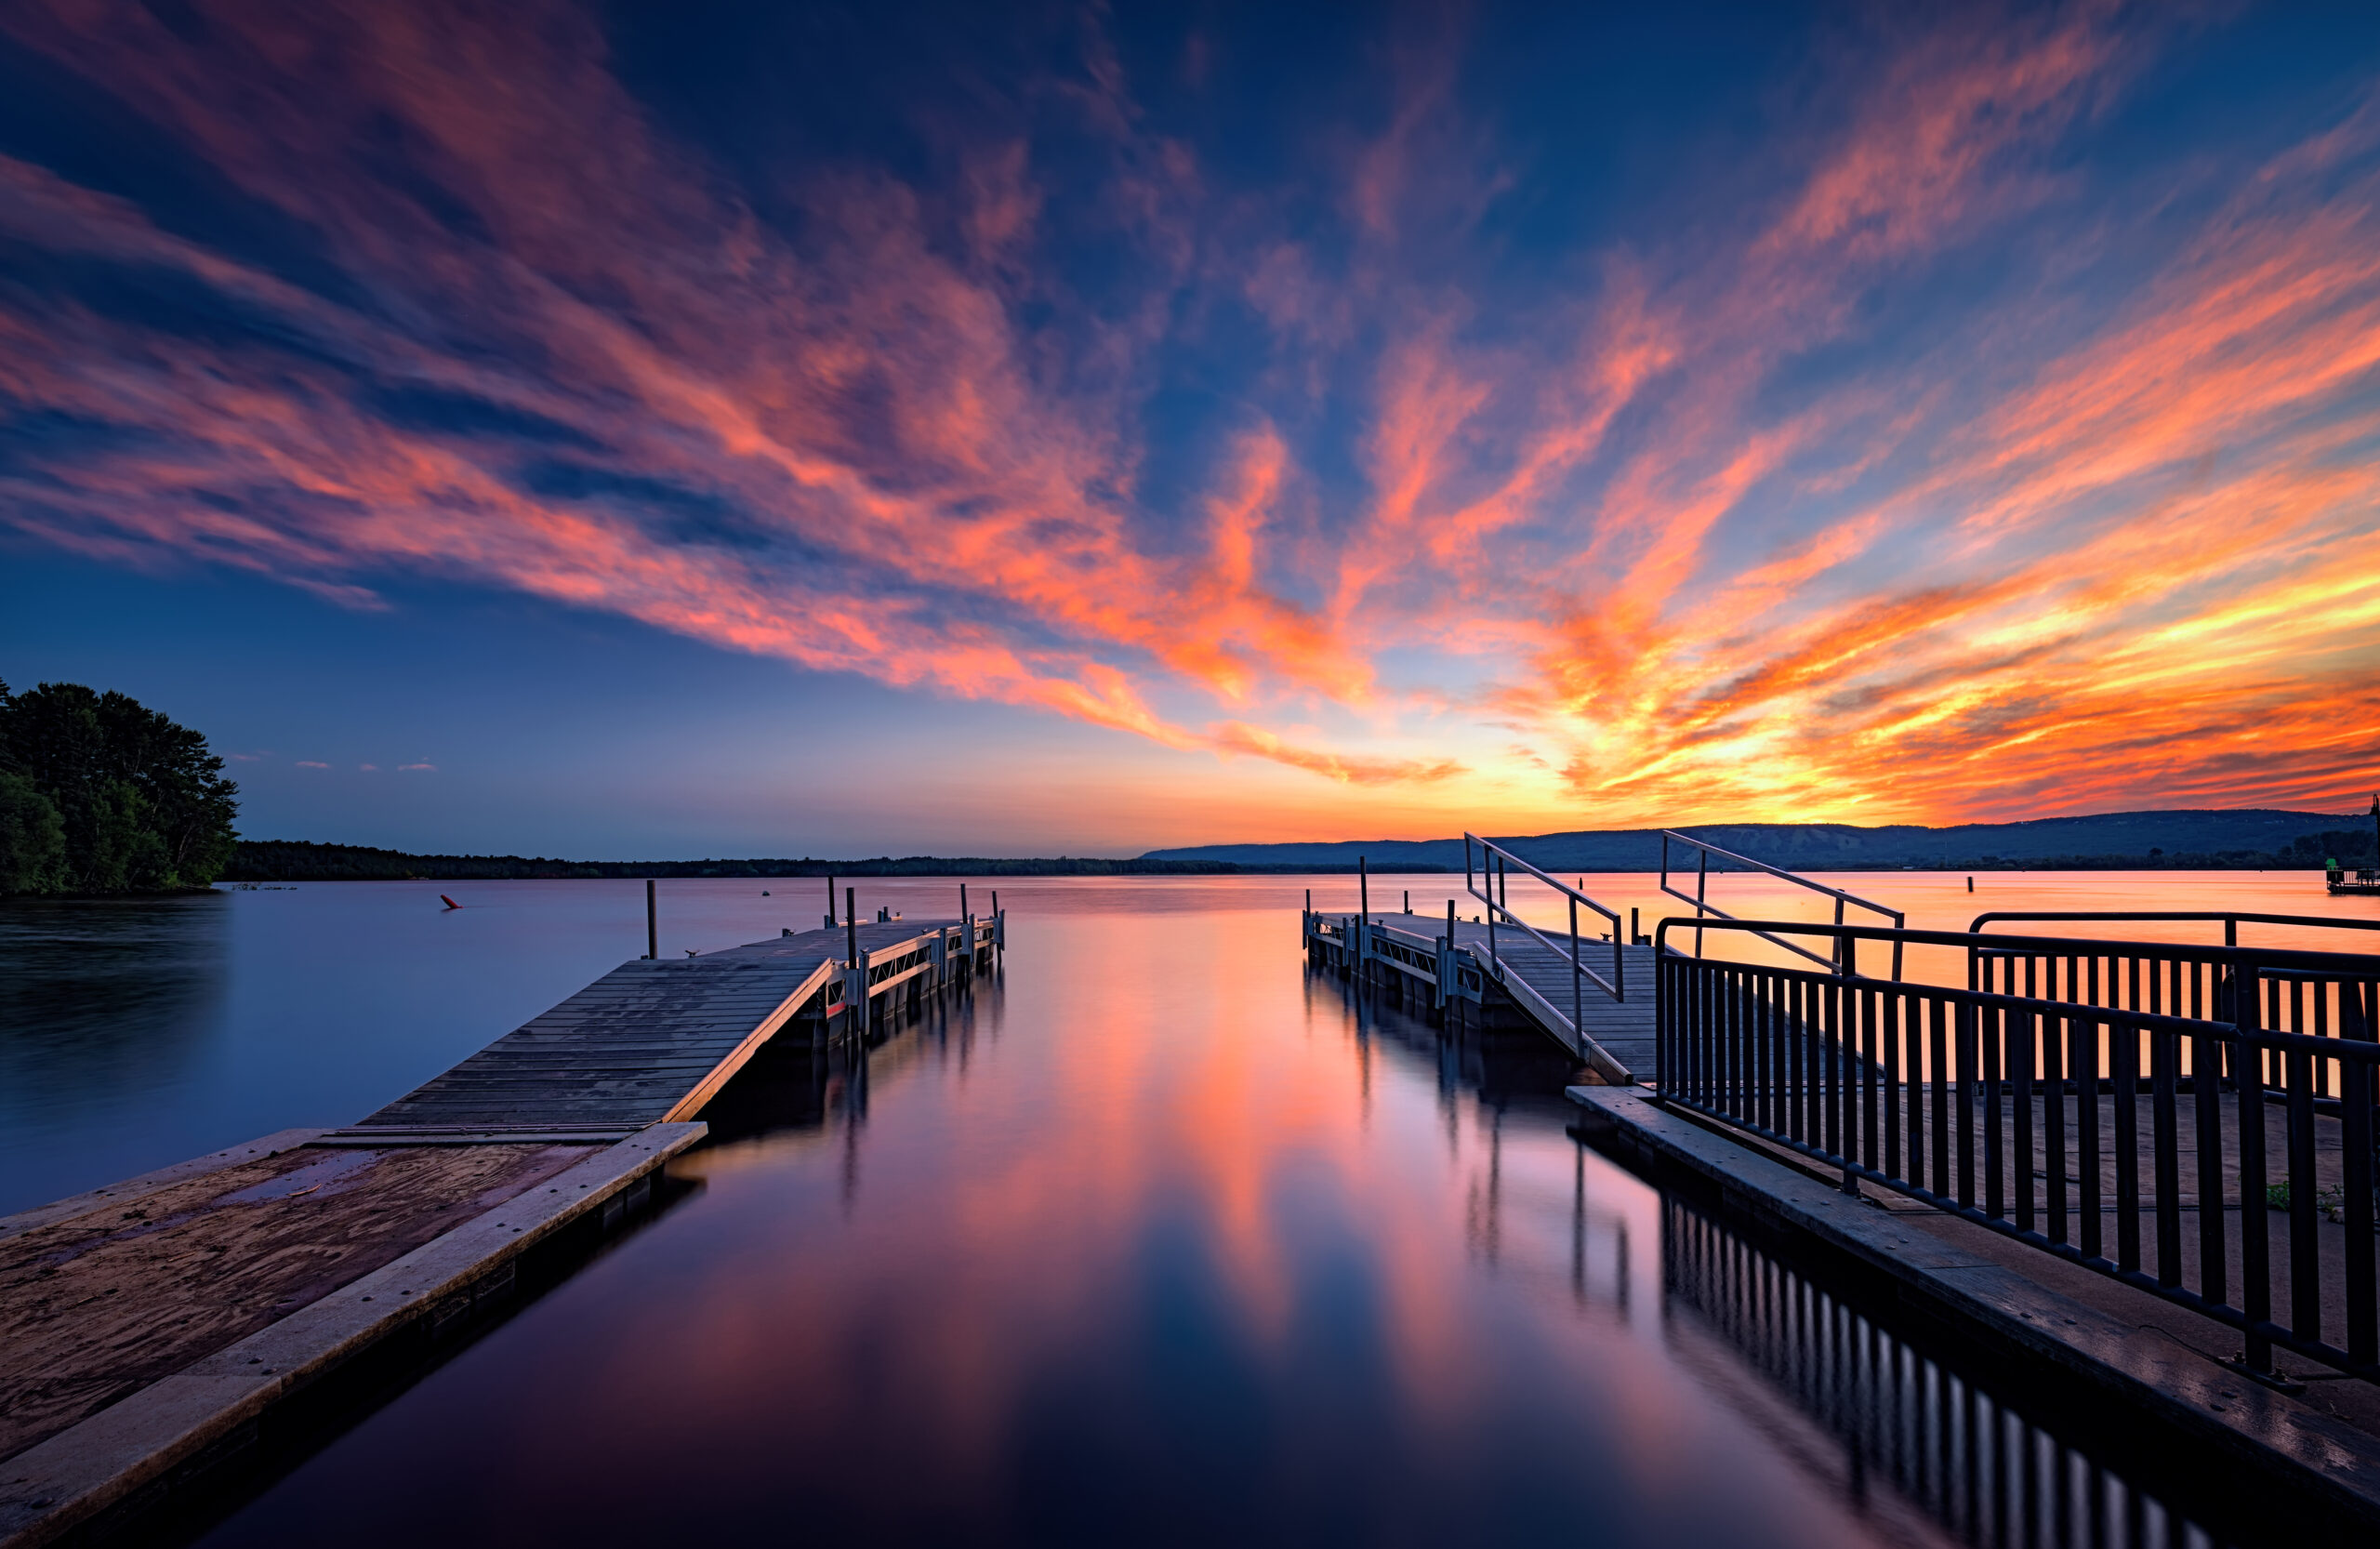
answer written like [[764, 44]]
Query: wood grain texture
[[102, 1303], [1623, 1030], [646, 1043]]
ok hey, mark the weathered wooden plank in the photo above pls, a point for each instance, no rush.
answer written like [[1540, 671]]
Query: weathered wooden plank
[[651, 1041]]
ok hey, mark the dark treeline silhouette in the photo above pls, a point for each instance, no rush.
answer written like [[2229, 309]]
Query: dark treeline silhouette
[[297, 861], [101, 794]]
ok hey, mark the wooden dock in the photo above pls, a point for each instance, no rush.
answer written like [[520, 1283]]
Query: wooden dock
[[153, 1332], [1514, 975], [650, 1042]]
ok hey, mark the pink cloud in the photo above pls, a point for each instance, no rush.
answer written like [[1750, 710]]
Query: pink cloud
[[1953, 583]]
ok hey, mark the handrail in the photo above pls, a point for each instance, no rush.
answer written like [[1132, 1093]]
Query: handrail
[[2231, 918], [2008, 1109], [1702, 882], [2360, 965], [1616, 986]]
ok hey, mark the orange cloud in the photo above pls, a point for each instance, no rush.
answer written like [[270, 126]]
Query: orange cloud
[[1673, 529]]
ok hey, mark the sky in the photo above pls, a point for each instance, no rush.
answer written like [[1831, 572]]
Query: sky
[[742, 428]]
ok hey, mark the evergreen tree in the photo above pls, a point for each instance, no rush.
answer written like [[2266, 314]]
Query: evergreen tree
[[101, 794]]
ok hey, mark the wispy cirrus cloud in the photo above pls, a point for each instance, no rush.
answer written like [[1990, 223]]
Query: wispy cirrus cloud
[[1939, 471]]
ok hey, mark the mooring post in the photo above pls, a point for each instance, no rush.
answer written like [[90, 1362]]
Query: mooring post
[[830, 900], [999, 927], [1364, 902], [855, 972], [1488, 875], [1577, 991], [1635, 936], [1446, 962], [652, 923]]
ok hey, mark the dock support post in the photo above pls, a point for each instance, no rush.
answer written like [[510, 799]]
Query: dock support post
[[830, 902], [1489, 876], [854, 971], [652, 923], [1364, 916]]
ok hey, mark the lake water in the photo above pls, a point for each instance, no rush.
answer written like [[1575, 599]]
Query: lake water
[[1158, 1238]]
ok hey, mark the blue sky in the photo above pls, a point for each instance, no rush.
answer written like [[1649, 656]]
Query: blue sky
[[753, 430]]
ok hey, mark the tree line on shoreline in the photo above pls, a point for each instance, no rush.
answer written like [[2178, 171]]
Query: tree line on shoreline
[[101, 794], [302, 861]]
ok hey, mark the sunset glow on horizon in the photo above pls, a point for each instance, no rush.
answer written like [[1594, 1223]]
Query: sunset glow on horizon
[[1399, 425]]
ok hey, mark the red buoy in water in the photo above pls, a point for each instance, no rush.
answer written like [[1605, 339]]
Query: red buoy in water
[[448, 902]]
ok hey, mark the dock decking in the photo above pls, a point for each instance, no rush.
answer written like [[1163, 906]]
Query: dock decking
[[149, 1328], [650, 1042], [1618, 1039]]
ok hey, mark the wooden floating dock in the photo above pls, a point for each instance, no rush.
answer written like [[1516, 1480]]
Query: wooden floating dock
[[652, 1041], [156, 1329], [1521, 980]]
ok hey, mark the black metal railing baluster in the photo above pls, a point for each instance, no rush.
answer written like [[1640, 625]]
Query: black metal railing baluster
[[1969, 1110], [2305, 1249], [1991, 1025], [1938, 1051], [2357, 1083], [1865, 1008], [2083, 1061], [2206, 1089], [2165, 1068], [1894, 1030], [1807, 1064], [2053, 1090], [2256, 1240], [2020, 1027], [2123, 1061]]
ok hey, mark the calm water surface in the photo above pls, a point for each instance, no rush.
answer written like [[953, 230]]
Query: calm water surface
[[1158, 1238]]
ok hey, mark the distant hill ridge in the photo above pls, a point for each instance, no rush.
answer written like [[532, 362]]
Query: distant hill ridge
[[2187, 840]]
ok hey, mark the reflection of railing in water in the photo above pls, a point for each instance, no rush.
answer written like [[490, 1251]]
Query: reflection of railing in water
[[1981, 1466]]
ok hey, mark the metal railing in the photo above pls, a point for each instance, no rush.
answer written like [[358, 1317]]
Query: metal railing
[[2230, 918], [2122, 1133], [2146, 977], [1495, 870], [1700, 900]]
